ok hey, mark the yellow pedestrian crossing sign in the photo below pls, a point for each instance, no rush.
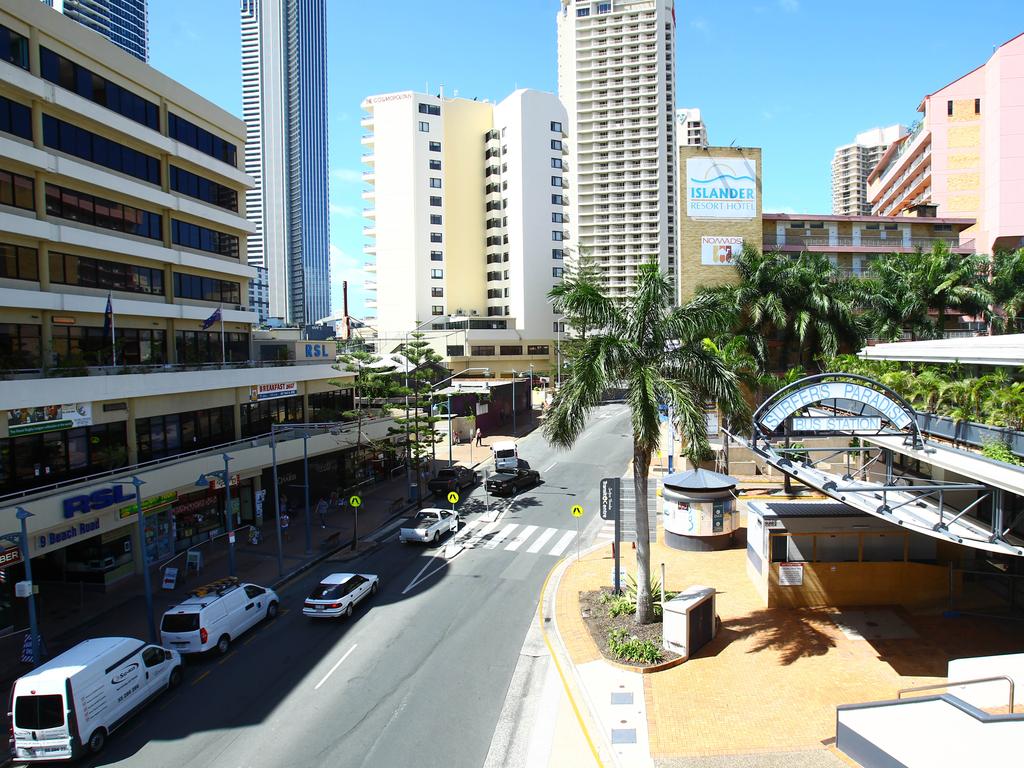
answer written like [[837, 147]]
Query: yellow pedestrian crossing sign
[[354, 501], [577, 510], [453, 497]]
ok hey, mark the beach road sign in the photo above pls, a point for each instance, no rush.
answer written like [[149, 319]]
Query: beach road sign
[[577, 510], [453, 497], [354, 501]]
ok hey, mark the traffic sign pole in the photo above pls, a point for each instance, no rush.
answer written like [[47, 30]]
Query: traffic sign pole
[[611, 510], [355, 502], [577, 512]]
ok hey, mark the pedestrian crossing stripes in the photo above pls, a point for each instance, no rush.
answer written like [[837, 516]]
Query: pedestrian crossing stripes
[[513, 537]]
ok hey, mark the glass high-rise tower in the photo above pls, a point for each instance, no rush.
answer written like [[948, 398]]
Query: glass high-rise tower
[[284, 104], [125, 23]]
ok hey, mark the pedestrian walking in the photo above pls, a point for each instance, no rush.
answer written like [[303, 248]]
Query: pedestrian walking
[[321, 510], [479, 436], [285, 520]]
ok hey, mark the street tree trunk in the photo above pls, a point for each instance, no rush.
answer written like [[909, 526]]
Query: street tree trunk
[[641, 469]]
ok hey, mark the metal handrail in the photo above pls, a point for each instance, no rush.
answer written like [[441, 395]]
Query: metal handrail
[[936, 686]]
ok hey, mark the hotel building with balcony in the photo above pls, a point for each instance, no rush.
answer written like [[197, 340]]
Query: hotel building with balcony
[[120, 185], [466, 224], [616, 77], [965, 157], [853, 163]]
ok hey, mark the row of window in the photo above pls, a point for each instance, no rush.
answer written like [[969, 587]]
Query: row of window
[[160, 436], [207, 289], [18, 262], [204, 239], [99, 212], [15, 118], [20, 346], [430, 109], [188, 183], [84, 345], [34, 460], [87, 272], [74, 77], [199, 138], [257, 418], [198, 347], [13, 48], [17, 190], [531, 349], [65, 137]]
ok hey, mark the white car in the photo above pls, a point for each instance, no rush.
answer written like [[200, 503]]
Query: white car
[[429, 525], [215, 615], [338, 594]]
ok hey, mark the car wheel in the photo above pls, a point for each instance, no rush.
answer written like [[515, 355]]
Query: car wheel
[[437, 537], [373, 588], [97, 741], [175, 679], [272, 610], [223, 644], [348, 611]]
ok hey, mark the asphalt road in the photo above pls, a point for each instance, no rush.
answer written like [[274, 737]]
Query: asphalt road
[[419, 675]]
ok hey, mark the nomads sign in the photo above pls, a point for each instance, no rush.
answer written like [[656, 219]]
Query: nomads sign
[[719, 251], [721, 188]]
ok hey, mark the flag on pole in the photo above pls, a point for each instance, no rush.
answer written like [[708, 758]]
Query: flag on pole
[[108, 329], [215, 317]]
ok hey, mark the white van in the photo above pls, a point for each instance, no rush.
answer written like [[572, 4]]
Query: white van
[[506, 455], [70, 705], [215, 615]]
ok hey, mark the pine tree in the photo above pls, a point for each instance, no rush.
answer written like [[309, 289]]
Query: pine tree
[[418, 424]]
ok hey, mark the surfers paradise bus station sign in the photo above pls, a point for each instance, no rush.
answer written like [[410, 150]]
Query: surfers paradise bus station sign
[[840, 392]]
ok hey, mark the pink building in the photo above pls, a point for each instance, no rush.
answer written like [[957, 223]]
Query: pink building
[[965, 158]]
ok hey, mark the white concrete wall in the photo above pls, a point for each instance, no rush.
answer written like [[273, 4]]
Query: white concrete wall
[[995, 694]]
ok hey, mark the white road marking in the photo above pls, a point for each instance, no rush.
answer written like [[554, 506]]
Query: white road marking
[[416, 578], [475, 540], [526, 533], [336, 665], [542, 540], [502, 535], [388, 529], [466, 528], [551, 467], [563, 543]]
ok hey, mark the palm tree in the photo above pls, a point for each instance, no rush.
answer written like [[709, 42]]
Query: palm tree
[[954, 281], [892, 297], [1008, 288], [658, 350], [821, 308]]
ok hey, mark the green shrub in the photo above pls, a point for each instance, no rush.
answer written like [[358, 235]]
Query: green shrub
[[626, 647], [1000, 451]]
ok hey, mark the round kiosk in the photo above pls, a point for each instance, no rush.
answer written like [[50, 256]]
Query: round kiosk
[[699, 509]]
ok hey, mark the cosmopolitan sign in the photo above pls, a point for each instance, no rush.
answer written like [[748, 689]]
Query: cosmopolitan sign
[[835, 390], [721, 188]]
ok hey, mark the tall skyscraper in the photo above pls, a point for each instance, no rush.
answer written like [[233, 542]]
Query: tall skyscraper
[[125, 23], [616, 77], [691, 131], [284, 104], [851, 165], [467, 222]]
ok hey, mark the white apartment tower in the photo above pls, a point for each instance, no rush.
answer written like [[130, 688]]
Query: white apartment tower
[[851, 165], [467, 217], [691, 131], [616, 77]]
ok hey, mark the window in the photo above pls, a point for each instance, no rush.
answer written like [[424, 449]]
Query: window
[[510, 350], [430, 109], [435, 237], [558, 218], [15, 118], [424, 126], [435, 218], [175, 433], [91, 346], [977, 106], [13, 48], [556, 126], [257, 418], [437, 309], [79, 142], [434, 146], [209, 144], [557, 271], [87, 272], [604, 7], [37, 713], [556, 181], [34, 460], [18, 262], [482, 351], [537, 349], [456, 350], [206, 289], [17, 190], [580, 12], [436, 256], [437, 274], [557, 200], [435, 183], [556, 143], [436, 293], [188, 183], [88, 209], [556, 162], [557, 235], [557, 327], [20, 346], [330, 406], [204, 239], [74, 77], [557, 253], [949, 107], [435, 201], [435, 165]]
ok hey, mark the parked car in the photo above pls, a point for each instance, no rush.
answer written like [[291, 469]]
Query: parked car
[[338, 594], [509, 481], [429, 525], [70, 705], [216, 614], [453, 478]]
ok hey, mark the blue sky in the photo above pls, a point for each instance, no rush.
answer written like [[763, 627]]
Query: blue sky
[[795, 77]]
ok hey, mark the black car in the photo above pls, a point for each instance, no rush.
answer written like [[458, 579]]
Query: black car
[[452, 479], [510, 481]]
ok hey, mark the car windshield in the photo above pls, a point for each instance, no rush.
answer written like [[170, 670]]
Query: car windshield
[[508, 452], [37, 713], [446, 473], [180, 622], [326, 591]]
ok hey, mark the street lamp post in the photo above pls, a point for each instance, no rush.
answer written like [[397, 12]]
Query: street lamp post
[[22, 540], [277, 501], [138, 483], [305, 470], [225, 475]]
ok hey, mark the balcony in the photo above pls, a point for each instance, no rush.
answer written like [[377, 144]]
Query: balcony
[[369, 266], [876, 244], [370, 249], [369, 213], [367, 122], [369, 194], [370, 285], [369, 177], [366, 140], [369, 231], [368, 158]]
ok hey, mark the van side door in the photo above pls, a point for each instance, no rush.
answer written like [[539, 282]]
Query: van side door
[[255, 604], [157, 669]]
